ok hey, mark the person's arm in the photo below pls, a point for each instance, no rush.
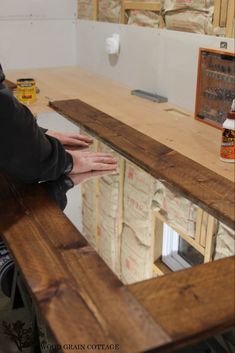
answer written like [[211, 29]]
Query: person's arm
[[25, 151], [34, 154]]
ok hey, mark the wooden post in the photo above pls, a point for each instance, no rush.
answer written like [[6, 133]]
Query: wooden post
[[211, 229], [138, 5], [122, 15], [216, 18], [230, 19], [95, 15]]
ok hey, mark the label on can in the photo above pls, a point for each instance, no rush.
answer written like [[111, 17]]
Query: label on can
[[26, 90], [227, 151]]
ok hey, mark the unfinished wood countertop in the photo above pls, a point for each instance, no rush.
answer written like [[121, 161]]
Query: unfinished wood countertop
[[164, 122]]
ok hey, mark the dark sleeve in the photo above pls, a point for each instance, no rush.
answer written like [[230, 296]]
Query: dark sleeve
[[25, 151], [43, 129], [57, 190]]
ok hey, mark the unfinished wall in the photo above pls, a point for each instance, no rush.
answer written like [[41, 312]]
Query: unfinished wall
[[30, 30], [155, 60], [195, 16]]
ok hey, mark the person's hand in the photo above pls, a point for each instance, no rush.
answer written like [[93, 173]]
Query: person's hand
[[88, 161], [71, 139]]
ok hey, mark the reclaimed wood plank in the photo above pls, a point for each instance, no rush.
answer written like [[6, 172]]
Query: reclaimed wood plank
[[201, 300], [67, 279], [216, 17], [223, 13], [110, 301], [43, 270], [212, 192], [212, 226]]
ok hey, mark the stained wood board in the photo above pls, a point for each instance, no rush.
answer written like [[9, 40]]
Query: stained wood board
[[72, 285], [182, 133], [207, 189], [68, 280], [192, 310]]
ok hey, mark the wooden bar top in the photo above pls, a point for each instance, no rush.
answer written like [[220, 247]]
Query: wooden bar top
[[80, 298], [207, 189], [164, 122], [83, 302]]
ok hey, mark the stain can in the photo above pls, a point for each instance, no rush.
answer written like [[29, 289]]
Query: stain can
[[26, 90]]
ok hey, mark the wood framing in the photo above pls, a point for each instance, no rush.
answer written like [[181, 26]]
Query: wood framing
[[95, 4], [127, 5], [230, 19], [223, 19], [216, 16], [72, 286], [203, 241]]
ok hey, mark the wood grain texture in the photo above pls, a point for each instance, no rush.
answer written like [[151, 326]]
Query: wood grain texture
[[80, 298], [83, 301], [137, 5], [212, 192], [195, 302]]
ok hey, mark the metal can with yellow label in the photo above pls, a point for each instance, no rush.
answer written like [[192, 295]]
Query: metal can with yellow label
[[26, 90]]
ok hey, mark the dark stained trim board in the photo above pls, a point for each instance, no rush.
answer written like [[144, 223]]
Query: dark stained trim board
[[78, 295], [210, 191], [83, 301]]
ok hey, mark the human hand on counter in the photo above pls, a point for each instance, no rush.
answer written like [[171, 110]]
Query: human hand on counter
[[71, 139], [89, 161]]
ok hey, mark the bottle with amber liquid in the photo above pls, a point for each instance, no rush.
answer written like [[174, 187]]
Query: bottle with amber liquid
[[227, 151]]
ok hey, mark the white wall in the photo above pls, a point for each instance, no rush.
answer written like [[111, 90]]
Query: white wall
[[45, 33], [37, 9], [159, 61], [37, 33]]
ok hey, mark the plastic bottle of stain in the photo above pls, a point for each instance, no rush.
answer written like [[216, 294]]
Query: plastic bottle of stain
[[227, 151]]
